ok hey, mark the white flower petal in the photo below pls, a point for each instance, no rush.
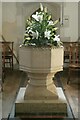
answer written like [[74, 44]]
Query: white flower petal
[[47, 34], [50, 22], [37, 34], [41, 6], [35, 17], [57, 38], [20, 46]]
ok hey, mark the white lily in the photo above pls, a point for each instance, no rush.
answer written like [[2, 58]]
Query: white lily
[[38, 24], [30, 31], [35, 34], [28, 28], [49, 17], [57, 38], [41, 6], [56, 22], [47, 33], [38, 17], [55, 28], [26, 34], [45, 9], [35, 16], [21, 45], [50, 22], [27, 38]]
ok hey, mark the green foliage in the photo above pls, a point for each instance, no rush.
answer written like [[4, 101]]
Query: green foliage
[[40, 30]]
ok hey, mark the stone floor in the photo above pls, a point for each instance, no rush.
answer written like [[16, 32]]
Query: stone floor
[[13, 80], [16, 79], [72, 91]]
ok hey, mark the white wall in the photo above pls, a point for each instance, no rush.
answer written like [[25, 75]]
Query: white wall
[[0, 19], [13, 21], [9, 23], [69, 30], [79, 20]]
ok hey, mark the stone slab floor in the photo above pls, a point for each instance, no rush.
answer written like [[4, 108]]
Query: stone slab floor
[[15, 79]]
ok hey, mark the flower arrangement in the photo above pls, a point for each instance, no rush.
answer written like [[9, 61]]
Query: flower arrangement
[[40, 30]]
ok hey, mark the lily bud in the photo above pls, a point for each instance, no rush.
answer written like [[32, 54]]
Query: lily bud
[[41, 6], [45, 9], [49, 17]]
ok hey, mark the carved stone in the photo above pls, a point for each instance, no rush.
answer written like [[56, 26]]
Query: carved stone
[[41, 64]]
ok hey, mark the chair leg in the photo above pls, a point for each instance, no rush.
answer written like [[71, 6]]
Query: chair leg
[[68, 76], [1, 87], [12, 63], [3, 75]]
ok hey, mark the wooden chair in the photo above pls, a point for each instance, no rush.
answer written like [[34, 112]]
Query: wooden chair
[[74, 59], [66, 51], [7, 55]]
